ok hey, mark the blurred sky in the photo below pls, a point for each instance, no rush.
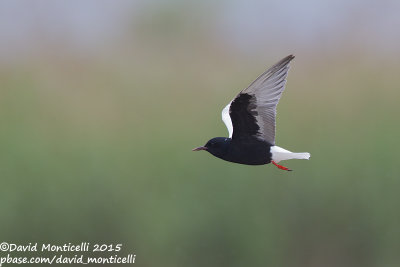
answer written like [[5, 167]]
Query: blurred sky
[[91, 26]]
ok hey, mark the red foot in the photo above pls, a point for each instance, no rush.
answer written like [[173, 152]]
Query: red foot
[[280, 166]]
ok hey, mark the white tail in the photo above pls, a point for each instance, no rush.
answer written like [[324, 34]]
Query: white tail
[[279, 154], [303, 155]]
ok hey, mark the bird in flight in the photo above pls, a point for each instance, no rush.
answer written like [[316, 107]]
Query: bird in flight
[[250, 119]]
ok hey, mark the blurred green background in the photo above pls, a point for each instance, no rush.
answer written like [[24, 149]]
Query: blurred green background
[[101, 103]]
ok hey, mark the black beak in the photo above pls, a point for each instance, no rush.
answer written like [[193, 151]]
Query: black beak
[[199, 148]]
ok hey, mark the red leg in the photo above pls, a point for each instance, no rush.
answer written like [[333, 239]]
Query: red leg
[[280, 166]]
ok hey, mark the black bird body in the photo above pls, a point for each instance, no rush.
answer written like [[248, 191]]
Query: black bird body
[[250, 119], [250, 151]]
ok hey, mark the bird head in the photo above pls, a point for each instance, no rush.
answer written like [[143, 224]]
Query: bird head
[[215, 146]]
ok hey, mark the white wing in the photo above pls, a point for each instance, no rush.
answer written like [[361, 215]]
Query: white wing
[[227, 119]]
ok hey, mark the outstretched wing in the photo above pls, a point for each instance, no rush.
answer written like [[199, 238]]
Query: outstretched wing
[[253, 111]]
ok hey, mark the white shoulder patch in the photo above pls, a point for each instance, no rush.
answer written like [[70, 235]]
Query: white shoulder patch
[[227, 119]]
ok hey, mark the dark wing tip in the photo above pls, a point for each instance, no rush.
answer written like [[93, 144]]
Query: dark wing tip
[[289, 57], [281, 64], [285, 60]]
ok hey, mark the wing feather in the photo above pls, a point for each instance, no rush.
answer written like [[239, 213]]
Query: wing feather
[[253, 111]]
